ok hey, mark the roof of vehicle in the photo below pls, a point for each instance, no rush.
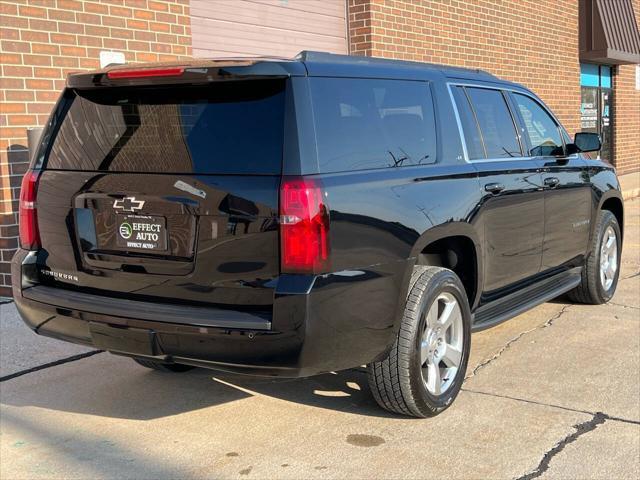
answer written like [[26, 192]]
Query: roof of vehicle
[[305, 63], [321, 61]]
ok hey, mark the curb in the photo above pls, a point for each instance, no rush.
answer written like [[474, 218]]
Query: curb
[[631, 193]]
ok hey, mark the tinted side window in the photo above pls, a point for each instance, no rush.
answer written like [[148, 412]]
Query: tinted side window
[[365, 123], [544, 135], [496, 124], [472, 137]]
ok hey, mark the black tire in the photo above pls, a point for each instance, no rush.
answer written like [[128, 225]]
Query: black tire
[[591, 290], [163, 367], [396, 382]]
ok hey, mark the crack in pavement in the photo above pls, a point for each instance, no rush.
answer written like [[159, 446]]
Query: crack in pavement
[[62, 361], [623, 420], [524, 400], [623, 305], [551, 405], [5, 302], [507, 345], [581, 429]]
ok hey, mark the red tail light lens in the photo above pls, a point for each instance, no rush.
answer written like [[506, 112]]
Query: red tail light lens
[[304, 226], [146, 72], [29, 234]]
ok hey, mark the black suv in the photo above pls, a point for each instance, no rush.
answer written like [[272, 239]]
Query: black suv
[[294, 217]]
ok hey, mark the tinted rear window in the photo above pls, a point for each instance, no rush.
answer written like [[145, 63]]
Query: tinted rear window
[[232, 127], [367, 123]]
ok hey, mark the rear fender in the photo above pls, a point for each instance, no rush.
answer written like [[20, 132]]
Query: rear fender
[[445, 230]]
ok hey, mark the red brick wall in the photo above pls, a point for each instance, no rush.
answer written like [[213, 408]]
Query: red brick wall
[[626, 109], [533, 42], [41, 42]]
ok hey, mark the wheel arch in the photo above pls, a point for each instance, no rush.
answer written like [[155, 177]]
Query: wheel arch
[[615, 205], [456, 246]]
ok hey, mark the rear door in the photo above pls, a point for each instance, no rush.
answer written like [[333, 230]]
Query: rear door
[[166, 193], [512, 206], [567, 205]]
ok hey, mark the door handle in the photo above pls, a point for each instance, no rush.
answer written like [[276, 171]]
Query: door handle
[[551, 181], [494, 188]]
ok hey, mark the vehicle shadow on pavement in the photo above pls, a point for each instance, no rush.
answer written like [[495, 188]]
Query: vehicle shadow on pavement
[[345, 391], [109, 386]]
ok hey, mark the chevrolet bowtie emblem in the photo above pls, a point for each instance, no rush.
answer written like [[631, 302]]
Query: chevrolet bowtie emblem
[[128, 204]]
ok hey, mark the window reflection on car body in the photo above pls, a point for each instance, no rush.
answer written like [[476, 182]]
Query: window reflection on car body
[[397, 162]]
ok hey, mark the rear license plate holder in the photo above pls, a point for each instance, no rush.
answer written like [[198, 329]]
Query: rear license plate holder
[[145, 233], [125, 340]]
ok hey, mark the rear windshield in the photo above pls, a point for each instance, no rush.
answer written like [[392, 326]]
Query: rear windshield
[[226, 128]]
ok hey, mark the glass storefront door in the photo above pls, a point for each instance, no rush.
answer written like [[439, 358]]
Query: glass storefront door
[[596, 114], [605, 122]]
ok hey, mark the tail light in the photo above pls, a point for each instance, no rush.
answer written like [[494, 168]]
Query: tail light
[[29, 234], [304, 226], [145, 73]]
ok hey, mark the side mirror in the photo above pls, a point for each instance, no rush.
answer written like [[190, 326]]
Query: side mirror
[[585, 142]]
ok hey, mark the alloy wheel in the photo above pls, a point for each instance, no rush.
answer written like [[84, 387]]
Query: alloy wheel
[[441, 344], [608, 258]]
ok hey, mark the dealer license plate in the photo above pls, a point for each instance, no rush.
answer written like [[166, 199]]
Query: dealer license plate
[[141, 232]]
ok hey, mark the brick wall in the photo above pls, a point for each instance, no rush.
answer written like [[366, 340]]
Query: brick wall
[[626, 109], [532, 42], [41, 42]]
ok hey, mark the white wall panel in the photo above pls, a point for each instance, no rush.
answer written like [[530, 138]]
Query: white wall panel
[[223, 28]]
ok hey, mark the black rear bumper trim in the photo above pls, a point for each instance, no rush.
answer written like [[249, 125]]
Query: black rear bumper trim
[[117, 307]]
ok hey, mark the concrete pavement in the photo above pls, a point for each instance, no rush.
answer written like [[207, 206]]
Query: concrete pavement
[[630, 185], [553, 393]]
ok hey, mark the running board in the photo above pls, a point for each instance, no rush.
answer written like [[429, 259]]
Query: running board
[[516, 303]]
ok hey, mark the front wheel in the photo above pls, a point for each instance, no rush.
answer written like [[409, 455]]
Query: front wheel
[[424, 371], [602, 267]]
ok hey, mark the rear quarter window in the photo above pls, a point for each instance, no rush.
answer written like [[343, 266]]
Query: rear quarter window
[[368, 123], [220, 128]]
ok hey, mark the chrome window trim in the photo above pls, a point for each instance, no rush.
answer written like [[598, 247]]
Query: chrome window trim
[[516, 126], [500, 89]]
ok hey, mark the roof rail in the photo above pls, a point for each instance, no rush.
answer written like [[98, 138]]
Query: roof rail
[[326, 57]]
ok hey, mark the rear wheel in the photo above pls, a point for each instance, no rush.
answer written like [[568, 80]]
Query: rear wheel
[[163, 367], [602, 268], [425, 368]]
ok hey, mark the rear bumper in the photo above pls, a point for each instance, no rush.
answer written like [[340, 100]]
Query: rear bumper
[[317, 324]]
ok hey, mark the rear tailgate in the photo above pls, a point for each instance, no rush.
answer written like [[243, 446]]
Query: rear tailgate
[[165, 193]]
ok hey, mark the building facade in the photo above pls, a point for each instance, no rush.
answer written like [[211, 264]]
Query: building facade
[[580, 56]]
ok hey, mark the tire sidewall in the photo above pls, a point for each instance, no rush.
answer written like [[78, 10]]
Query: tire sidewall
[[607, 219], [446, 281]]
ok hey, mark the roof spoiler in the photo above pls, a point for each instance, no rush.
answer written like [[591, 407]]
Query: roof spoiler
[[189, 72]]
